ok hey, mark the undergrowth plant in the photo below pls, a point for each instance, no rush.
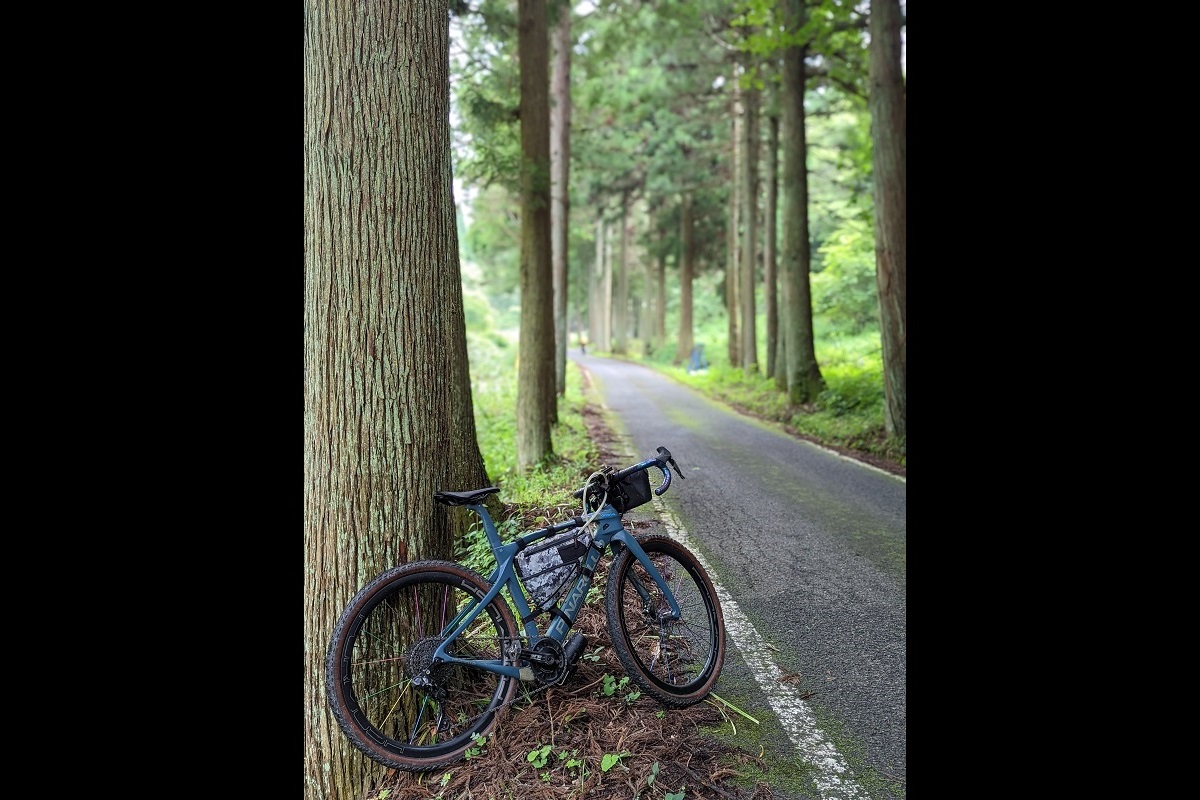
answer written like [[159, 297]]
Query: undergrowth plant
[[848, 413]]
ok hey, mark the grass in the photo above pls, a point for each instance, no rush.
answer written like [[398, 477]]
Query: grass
[[847, 415], [541, 495]]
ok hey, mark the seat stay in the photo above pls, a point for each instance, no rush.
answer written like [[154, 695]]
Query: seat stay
[[465, 621], [503, 575]]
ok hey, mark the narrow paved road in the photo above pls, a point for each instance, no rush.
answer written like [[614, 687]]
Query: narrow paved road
[[809, 550]]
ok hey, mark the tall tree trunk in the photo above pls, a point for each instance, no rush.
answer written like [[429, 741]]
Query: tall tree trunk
[[658, 329], [607, 295], [536, 397], [734, 346], [621, 303], [640, 300], [560, 162], [889, 140], [770, 300], [687, 267], [596, 291], [388, 418], [781, 360], [804, 375], [749, 206]]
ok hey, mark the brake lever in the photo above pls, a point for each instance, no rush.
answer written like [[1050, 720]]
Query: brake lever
[[678, 471], [665, 454]]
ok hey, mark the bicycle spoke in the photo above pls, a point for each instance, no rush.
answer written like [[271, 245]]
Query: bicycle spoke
[[419, 710], [675, 660]]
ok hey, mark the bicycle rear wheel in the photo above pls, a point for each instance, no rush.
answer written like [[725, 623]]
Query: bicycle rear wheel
[[675, 661], [390, 700]]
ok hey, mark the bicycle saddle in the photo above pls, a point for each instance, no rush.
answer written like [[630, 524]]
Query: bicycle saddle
[[473, 497]]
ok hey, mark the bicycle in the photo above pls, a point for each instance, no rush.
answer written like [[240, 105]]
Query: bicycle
[[427, 654]]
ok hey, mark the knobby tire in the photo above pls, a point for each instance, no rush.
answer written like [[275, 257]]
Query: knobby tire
[[676, 662], [385, 638]]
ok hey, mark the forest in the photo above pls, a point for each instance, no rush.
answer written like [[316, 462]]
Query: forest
[[491, 183], [686, 141]]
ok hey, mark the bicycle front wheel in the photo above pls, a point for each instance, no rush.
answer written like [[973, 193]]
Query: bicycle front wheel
[[389, 698], [675, 661]]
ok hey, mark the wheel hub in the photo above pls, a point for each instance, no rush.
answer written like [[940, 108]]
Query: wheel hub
[[426, 672]]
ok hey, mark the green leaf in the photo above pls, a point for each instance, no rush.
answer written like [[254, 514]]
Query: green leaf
[[538, 756], [610, 760]]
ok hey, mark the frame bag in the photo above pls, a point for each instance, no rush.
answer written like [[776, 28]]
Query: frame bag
[[548, 566]]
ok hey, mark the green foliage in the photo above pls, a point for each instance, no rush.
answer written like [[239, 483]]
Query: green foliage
[[539, 756], [571, 760], [544, 494], [610, 685], [610, 760], [486, 96], [477, 311], [651, 86], [844, 294], [848, 414], [853, 387], [474, 551], [478, 748], [493, 243]]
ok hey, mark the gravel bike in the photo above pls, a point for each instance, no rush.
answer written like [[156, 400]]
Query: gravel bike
[[427, 654]]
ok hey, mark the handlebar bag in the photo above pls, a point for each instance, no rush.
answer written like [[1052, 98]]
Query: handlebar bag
[[631, 491]]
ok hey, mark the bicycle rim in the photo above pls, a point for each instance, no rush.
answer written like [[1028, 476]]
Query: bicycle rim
[[679, 659], [383, 652]]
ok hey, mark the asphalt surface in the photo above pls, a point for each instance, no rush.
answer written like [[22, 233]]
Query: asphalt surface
[[808, 548]]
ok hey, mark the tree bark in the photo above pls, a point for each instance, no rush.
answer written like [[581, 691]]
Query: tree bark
[[658, 330], [687, 267], [804, 375], [749, 206], [734, 345], [536, 396], [606, 295], [621, 303], [770, 298], [597, 329], [560, 158], [596, 291], [887, 102], [388, 416]]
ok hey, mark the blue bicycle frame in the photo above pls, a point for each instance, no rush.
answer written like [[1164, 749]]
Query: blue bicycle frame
[[608, 530]]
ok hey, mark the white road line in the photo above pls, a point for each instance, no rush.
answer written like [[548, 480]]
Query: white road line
[[834, 779]]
